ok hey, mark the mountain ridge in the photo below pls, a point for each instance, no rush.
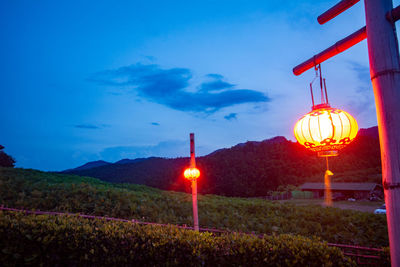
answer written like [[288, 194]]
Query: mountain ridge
[[89, 165], [252, 168]]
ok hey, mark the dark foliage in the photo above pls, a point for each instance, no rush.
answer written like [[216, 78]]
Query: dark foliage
[[252, 168], [5, 160], [73, 241]]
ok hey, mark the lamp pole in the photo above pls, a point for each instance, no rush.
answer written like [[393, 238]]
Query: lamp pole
[[194, 185]]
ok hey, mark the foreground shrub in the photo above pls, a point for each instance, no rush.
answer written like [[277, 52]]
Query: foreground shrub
[[71, 241]]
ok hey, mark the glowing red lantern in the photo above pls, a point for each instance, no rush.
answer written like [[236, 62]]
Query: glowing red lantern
[[191, 173], [325, 130]]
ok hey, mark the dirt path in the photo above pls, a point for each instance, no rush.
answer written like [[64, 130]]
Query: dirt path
[[360, 205]]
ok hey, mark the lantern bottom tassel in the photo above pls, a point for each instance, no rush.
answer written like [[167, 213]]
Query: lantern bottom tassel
[[328, 192]]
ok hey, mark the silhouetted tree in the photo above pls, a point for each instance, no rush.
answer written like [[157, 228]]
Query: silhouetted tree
[[5, 160]]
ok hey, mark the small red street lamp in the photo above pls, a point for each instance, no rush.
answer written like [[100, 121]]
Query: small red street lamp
[[192, 173]]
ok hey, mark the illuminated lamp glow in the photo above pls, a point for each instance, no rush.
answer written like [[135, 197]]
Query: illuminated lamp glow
[[326, 130], [191, 173]]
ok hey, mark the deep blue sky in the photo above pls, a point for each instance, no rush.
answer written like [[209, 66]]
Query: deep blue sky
[[90, 80]]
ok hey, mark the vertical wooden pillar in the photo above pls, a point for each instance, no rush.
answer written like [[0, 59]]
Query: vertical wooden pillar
[[192, 156], [194, 185], [385, 75], [194, 201]]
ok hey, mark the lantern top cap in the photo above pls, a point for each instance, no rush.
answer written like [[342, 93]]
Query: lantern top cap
[[323, 105]]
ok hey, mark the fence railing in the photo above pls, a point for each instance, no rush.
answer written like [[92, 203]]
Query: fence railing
[[362, 255], [40, 212], [282, 196]]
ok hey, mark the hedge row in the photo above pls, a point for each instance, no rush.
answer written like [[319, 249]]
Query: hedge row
[[70, 240]]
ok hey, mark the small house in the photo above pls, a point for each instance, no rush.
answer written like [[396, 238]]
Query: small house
[[345, 190]]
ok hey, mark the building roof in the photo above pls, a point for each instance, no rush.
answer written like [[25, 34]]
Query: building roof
[[340, 186]]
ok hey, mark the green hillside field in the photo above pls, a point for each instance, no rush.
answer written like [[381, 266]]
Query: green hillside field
[[31, 189]]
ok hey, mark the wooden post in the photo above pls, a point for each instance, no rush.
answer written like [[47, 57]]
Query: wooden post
[[194, 185], [192, 156], [385, 75], [194, 201]]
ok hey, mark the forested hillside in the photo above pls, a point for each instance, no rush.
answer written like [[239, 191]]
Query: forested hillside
[[252, 168]]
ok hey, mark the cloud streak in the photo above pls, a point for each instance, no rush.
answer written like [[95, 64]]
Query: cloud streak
[[231, 116], [363, 76], [216, 83], [169, 87], [91, 126], [364, 103]]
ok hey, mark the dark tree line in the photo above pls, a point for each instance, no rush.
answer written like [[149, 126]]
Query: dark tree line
[[5, 160]]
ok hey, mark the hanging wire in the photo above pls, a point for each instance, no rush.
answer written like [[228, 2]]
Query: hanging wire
[[316, 67], [322, 85], [326, 92], [312, 95], [327, 164]]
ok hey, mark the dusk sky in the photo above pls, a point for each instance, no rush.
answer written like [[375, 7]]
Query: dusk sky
[[107, 80]]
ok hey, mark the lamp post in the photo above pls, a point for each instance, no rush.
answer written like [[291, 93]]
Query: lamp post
[[192, 173]]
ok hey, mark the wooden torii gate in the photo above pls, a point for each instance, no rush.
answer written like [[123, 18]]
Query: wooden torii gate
[[383, 51]]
